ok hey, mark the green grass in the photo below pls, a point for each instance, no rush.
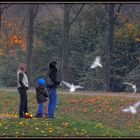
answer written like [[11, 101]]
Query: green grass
[[58, 127], [76, 115]]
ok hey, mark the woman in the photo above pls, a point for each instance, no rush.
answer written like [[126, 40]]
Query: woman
[[23, 86], [52, 84]]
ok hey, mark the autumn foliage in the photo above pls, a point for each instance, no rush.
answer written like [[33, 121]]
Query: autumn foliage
[[12, 38], [129, 31]]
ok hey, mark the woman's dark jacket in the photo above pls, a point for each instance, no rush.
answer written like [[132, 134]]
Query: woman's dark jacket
[[52, 78]]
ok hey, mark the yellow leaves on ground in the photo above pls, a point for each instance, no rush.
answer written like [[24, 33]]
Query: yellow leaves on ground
[[65, 124], [8, 116], [98, 125], [50, 130]]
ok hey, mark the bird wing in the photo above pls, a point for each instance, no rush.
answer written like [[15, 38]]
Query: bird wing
[[66, 84], [137, 104], [72, 89], [99, 64], [93, 66], [135, 89], [77, 86], [133, 110], [126, 109], [98, 59], [128, 83]]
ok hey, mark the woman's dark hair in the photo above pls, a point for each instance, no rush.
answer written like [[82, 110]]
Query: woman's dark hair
[[52, 64]]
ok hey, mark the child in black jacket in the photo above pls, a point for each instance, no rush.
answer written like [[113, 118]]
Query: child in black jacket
[[41, 96]]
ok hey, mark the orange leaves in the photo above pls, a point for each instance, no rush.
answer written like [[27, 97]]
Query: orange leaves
[[1, 52], [17, 41], [73, 100], [65, 124], [129, 124], [130, 26], [10, 43], [85, 109], [12, 38], [127, 32]]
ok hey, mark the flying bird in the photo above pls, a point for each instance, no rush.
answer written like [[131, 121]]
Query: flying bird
[[132, 109], [132, 85], [96, 63], [71, 86]]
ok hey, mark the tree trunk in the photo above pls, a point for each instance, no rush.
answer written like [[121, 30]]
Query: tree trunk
[[0, 17], [109, 48], [66, 33], [30, 42], [65, 42], [32, 12]]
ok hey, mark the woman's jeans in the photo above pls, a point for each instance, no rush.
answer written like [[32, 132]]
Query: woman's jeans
[[52, 102], [23, 102]]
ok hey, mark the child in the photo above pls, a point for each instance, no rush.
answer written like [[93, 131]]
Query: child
[[41, 96]]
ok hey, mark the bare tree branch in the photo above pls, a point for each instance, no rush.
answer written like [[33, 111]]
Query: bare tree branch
[[22, 24], [119, 8], [62, 6], [70, 5], [77, 14], [35, 10], [6, 6], [107, 8], [50, 11], [3, 7]]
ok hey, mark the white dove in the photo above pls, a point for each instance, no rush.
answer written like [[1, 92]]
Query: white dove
[[133, 86], [71, 86], [96, 63], [133, 108]]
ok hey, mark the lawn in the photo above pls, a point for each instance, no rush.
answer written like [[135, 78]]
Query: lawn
[[76, 115]]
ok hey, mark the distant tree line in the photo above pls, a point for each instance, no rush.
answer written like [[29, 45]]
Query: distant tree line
[[73, 39]]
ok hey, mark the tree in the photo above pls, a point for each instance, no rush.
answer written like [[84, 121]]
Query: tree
[[125, 60], [87, 39], [47, 47], [67, 23], [32, 12], [112, 17], [12, 43], [3, 7]]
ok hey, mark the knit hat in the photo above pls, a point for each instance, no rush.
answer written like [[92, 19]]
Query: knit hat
[[41, 82]]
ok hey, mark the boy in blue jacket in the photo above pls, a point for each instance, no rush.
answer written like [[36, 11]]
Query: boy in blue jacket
[[41, 96]]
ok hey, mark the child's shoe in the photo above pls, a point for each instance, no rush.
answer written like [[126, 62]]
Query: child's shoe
[[39, 116], [46, 115]]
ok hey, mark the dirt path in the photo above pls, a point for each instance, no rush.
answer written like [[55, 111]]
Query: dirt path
[[90, 93], [128, 95]]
